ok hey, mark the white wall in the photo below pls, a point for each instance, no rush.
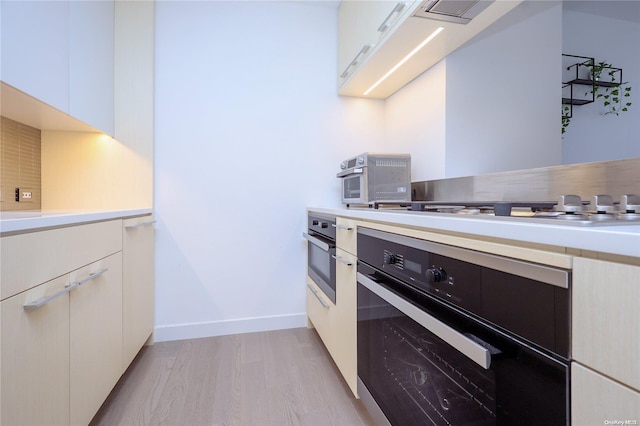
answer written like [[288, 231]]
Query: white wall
[[503, 108], [592, 136], [415, 120], [249, 131]]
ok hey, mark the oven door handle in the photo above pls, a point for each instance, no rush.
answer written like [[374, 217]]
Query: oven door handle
[[350, 172], [472, 350], [317, 242]]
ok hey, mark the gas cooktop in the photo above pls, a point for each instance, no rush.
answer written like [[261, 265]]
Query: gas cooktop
[[568, 209]]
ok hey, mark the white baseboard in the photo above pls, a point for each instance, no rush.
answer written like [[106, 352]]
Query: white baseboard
[[221, 328]]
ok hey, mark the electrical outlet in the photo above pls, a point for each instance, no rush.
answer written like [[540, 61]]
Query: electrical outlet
[[24, 195]]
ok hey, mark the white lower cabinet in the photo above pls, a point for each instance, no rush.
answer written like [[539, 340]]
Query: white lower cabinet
[[35, 357], [345, 321], [336, 323], [95, 326], [597, 400], [62, 346], [138, 284], [69, 325]]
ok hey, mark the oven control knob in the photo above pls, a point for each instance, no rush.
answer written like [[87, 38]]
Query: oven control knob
[[390, 259], [435, 275]]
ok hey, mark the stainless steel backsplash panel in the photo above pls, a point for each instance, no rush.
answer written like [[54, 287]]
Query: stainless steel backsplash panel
[[614, 178]]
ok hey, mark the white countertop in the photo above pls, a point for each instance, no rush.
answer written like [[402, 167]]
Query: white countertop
[[615, 239], [20, 221]]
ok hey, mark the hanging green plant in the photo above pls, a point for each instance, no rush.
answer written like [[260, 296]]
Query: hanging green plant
[[604, 82], [566, 118], [608, 87]]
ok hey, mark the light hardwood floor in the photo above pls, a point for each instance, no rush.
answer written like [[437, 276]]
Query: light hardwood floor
[[277, 378]]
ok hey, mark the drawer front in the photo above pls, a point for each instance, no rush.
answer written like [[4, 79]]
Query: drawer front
[[33, 258], [597, 400], [606, 319], [319, 311]]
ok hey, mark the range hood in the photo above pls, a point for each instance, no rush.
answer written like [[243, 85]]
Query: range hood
[[458, 11]]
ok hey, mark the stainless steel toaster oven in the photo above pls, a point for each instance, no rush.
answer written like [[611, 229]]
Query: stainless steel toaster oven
[[376, 178]]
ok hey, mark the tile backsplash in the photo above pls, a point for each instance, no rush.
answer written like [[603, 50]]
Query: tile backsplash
[[20, 167]]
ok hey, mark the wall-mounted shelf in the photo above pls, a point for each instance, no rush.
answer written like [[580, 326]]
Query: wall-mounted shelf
[[581, 74]]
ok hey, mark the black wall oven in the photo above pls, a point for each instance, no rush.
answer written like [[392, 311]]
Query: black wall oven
[[448, 336], [321, 252]]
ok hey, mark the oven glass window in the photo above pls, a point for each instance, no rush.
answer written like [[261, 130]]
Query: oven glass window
[[351, 187], [322, 269], [417, 378], [414, 376]]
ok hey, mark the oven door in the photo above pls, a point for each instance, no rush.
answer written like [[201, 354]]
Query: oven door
[[354, 186], [321, 263], [421, 362]]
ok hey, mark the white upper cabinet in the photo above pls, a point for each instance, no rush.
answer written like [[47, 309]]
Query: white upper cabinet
[[35, 49], [59, 57], [393, 32], [361, 26], [91, 41]]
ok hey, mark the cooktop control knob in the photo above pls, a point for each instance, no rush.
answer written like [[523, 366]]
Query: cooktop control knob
[[435, 275]]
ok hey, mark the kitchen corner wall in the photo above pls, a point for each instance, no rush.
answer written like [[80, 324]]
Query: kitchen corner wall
[[490, 106], [593, 136], [249, 132]]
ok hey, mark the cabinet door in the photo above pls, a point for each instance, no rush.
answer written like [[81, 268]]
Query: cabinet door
[[137, 285], [91, 41], [597, 400], [35, 357], [35, 49], [95, 336], [361, 24], [606, 318], [344, 318]]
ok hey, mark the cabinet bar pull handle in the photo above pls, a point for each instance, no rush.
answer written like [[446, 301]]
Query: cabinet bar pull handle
[[315, 293], [353, 63], [140, 225], [44, 300], [341, 260], [92, 276], [385, 24], [342, 227]]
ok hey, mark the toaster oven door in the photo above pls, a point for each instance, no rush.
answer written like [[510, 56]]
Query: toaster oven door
[[354, 187]]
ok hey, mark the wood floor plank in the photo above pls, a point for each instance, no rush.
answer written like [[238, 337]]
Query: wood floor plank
[[140, 387], [274, 378]]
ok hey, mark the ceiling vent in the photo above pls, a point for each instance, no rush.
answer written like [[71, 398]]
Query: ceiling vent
[[458, 11]]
